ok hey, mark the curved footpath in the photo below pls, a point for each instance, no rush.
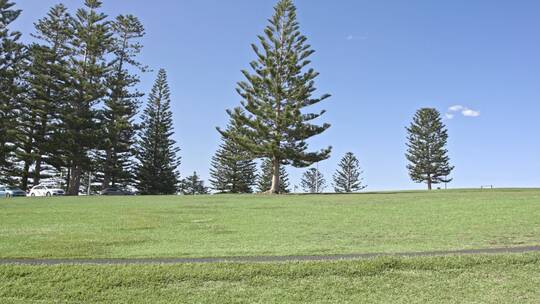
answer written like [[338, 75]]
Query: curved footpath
[[263, 259]]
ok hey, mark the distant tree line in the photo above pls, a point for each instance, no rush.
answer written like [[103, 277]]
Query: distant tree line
[[70, 110], [69, 104]]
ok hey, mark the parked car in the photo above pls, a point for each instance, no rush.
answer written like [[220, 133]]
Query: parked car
[[116, 191], [7, 191], [46, 190]]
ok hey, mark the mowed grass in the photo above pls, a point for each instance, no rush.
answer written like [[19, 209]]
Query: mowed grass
[[252, 225], [480, 279]]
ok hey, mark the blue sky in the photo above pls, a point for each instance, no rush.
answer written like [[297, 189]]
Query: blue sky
[[381, 61]]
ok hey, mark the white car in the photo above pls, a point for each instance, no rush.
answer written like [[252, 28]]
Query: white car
[[45, 190]]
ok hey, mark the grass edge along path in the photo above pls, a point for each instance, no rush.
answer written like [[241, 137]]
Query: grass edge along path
[[266, 259]]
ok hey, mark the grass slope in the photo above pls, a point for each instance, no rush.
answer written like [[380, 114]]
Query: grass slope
[[207, 226], [483, 279]]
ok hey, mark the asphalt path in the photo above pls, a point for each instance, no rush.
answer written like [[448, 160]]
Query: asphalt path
[[264, 259]]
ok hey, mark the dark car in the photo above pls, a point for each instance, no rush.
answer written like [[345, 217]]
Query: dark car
[[116, 191], [8, 191]]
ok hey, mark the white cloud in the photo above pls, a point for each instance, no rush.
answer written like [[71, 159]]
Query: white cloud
[[470, 113], [463, 110], [456, 108]]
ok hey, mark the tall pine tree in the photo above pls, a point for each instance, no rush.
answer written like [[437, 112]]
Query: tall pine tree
[[233, 170], [313, 181], [47, 79], [275, 94], [264, 179], [12, 54], [88, 68], [118, 128], [157, 171], [347, 177], [25, 135], [428, 158]]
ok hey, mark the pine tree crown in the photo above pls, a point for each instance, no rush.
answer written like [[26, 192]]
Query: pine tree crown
[[157, 171], [313, 181], [233, 169], [274, 94], [347, 177], [427, 154]]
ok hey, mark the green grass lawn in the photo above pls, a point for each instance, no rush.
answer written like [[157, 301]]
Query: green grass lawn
[[212, 226], [481, 279]]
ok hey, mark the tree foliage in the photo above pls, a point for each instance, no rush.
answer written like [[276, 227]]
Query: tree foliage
[[347, 178], [427, 155], [275, 96], [233, 170], [193, 185], [48, 87], [12, 54], [157, 171], [88, 67], [68, 104], [313, 181], [118, 129]]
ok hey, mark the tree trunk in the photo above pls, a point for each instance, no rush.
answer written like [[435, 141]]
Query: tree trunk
[[106, 182], [75, 180], [108, 168], [275, 178], [42, 135], [37, 171], [25, 175], [68, 177], [429, 182]]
